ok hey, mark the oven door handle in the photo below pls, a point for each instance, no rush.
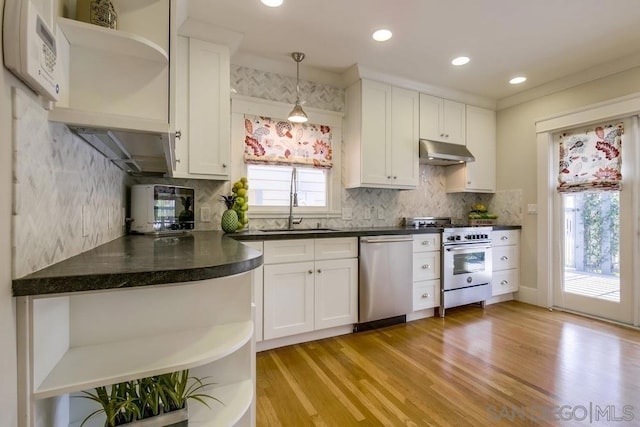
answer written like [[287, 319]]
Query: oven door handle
[[467, 247]]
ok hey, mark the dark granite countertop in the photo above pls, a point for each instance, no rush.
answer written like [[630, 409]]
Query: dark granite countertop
[[141, 260], [341, 232]]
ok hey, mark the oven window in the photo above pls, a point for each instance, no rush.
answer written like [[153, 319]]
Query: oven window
[[469, 263]]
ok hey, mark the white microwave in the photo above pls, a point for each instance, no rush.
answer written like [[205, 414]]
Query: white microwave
[[159, 208]]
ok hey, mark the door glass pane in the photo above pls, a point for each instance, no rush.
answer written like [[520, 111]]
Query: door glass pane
[[591, 244]]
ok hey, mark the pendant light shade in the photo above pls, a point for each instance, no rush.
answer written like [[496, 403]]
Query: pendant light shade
[[297, 115]]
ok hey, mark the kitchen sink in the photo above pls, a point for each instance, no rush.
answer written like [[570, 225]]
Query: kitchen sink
[[297, 230]]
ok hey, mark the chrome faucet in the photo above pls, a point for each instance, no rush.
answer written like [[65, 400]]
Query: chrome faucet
[[293, 198]]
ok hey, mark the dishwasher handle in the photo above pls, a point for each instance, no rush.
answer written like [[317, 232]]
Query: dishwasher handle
[[392, 240]]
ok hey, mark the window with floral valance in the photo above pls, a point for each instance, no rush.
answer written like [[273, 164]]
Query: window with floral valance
[[279, 142], [591, 160]]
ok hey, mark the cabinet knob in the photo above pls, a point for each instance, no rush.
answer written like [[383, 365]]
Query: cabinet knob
[[426, 243], [426, 266], [468, 182], [395, 177], [310, 272], [177, 160], [178, 134], [224, 165], [442, 134], [504, 258], [425, 295], [446, 135], [504, 282], [389, 177], [319, 271], [504, 238]]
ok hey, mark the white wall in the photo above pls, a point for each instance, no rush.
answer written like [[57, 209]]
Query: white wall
[[517, 154], [8, 399]]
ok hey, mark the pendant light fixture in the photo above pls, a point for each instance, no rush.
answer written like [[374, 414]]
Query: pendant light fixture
[[297, 115]]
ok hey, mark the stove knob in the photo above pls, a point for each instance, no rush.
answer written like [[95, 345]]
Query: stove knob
[[458, 237], [451, 238], [467, 237], [485, 236]]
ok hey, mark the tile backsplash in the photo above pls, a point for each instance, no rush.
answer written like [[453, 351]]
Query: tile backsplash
[[68, 198]]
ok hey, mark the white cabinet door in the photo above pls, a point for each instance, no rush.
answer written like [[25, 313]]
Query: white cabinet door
[[403, 146], [281, 251], [478, 176], [288, 299], [426, 294], [376, 132], [203, 113], [442, 120], [336, 293], [505, 281]]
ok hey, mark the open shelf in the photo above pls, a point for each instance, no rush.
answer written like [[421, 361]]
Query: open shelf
[[76, 117], [113, 41], [236, 399], [86, 367]]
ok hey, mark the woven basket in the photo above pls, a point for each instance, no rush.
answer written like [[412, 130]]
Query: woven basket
[[482, 221]]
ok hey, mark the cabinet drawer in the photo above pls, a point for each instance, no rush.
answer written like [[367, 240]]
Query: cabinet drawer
[[505, 237], [505, 281], [426, 242], [279, 251], [335, 248], [426, 266], [426, 294], [506, 257]]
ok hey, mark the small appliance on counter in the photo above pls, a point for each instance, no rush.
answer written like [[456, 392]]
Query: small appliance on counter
[[160, 209]]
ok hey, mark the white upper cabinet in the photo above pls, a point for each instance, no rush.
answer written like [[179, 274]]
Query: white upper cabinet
[[203, 110], [478, 176], [121, 80], [381, 136], [442, 120]]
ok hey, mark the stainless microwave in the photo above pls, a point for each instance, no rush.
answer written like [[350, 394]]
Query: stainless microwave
[[157, 208]]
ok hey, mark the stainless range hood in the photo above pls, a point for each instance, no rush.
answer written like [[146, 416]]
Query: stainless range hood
[[443, 153]]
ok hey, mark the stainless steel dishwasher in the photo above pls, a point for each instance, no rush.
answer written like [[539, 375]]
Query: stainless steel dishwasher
[[385, 280]]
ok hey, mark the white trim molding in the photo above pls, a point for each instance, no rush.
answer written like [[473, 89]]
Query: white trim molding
[[612, 109]]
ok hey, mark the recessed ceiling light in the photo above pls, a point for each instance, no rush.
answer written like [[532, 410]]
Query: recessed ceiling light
[[517, 80], [460, 60], [382, 35], [272, 3]]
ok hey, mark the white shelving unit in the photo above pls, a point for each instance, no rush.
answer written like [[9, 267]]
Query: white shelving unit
[[81, 341]]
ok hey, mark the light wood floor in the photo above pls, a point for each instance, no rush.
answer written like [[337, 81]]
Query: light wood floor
[[511, 364]]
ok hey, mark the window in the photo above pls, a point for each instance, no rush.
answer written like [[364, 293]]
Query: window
[[271, 186]]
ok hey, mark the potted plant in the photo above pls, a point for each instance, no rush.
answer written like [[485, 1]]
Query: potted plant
[[159, 400]]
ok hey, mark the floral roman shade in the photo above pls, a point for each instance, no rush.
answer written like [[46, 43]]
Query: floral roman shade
[[279, 142], [591, 160]]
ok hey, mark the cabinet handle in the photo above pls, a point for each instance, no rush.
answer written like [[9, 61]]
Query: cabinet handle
[[426, 243], [468, 182], [178, 134], [389, 177], [224, 165], [442, 134], [426, 266], [425, 295], [177, 160], [504, 258], [395, 177], [310, 271], [446, 136], [319, 271], [504, 282], [504, 238]]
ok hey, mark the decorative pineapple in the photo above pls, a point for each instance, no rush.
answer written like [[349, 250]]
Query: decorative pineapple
[[230, 216]]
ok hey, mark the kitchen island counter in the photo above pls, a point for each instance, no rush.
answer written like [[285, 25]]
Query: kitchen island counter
[[142, 260]]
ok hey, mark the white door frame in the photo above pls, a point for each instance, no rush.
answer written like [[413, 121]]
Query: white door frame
[[547, 270]]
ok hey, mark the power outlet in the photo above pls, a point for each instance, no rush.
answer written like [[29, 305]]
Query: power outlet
[[347, 214], [532, 209], [367, 213], [205, 214]]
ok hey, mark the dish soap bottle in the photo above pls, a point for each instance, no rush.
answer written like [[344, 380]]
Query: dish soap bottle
[[97, 12]]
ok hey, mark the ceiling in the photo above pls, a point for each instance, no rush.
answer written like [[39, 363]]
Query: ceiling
[[544, 40]]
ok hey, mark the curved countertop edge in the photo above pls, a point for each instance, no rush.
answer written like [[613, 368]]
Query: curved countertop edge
[[117, 265]]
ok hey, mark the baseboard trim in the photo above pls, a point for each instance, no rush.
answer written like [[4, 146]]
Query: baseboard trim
[[528, 295], [300, 338]]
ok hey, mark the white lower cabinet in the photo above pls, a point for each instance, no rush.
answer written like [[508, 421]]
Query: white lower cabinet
[[506, 261], [426, 271], [314, 287]]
